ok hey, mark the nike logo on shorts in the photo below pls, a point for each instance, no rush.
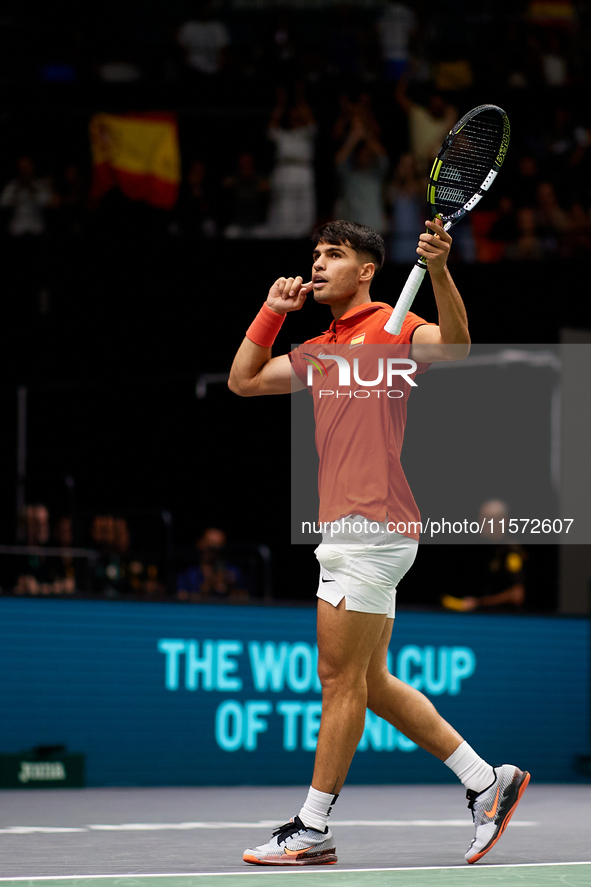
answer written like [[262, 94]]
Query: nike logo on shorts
[[327, 580]]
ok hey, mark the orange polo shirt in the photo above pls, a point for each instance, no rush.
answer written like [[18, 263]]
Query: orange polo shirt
[[358, 375]]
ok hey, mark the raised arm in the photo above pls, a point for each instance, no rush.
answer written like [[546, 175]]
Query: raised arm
[[452, 329], [254, 371], [356, 135]]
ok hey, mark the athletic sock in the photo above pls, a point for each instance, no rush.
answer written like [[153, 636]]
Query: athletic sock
[[472, 771], [316, 809]]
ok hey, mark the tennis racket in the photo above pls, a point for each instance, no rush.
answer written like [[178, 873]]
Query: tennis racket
[[467, 164]]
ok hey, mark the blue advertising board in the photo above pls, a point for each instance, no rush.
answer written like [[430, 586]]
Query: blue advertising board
[[172, 694]]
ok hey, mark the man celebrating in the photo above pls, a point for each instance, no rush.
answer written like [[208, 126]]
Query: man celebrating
[[359, 575]]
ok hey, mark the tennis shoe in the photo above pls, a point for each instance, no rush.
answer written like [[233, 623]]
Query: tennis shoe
[[493, 808], [295, 844]]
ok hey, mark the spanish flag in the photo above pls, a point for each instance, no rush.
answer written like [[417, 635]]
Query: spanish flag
[[137, 153]]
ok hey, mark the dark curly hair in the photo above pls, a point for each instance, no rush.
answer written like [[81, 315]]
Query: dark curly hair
[[361, 238]]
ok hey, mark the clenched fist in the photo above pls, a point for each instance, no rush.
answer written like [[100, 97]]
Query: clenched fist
[[288, 294]]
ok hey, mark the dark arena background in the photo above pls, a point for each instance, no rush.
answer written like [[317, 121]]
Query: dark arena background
[[145, 505]]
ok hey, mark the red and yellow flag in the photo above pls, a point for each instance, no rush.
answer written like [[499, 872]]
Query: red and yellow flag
[[137, 153]]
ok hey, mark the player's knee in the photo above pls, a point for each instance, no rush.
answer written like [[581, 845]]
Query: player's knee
[[335, 674], [328, 672]]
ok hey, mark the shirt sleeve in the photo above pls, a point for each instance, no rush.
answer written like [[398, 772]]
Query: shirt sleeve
[[298, 364], [404, 337], [410, 323], [304, 356]]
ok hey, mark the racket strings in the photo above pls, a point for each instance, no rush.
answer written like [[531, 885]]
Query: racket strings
[[468, 160]]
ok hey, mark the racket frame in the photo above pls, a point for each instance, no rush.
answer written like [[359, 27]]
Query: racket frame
[[414, 280]]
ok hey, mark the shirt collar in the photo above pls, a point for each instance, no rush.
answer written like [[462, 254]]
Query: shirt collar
[[350, 316]]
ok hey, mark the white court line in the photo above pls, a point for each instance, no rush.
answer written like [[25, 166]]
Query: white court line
[[263, 823], [302, 871], [33, 829]]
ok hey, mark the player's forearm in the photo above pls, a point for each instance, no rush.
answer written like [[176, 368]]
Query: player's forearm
[[254, 354], [347, 149], [453, 320], [514, 595], [254, 371]]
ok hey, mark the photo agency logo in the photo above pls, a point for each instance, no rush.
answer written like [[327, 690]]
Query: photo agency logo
[[387, 371]]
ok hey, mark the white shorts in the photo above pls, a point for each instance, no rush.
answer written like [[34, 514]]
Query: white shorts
[[365, 574]]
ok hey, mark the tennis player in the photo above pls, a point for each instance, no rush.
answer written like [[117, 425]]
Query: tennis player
[[359, 574]]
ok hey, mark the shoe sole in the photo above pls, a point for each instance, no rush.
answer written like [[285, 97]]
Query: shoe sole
[[522, 787], [328, 858]]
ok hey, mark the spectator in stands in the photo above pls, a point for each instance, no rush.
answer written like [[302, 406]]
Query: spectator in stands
[[212, 576], [578, 240], [25, 203], [396, 26], [64, 568], [428, 124], [28, 198], [355, 107], [203, 39], [140, 577], [145, 579], [194, 212], [528, 247], [110, 536], [551, 220], [362, 164], [503, 585], [245, 192], [554, 59], [407, 209], [34, 573], [292, 206], [38, 530]]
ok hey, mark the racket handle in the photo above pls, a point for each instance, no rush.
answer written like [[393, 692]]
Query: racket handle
[[405, 300]]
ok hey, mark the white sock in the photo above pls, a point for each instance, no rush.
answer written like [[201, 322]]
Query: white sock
[[316, 809], [472, 771]]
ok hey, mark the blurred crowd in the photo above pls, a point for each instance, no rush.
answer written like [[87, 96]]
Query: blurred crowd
[[106, 564], [111, 556], [292, 116]]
